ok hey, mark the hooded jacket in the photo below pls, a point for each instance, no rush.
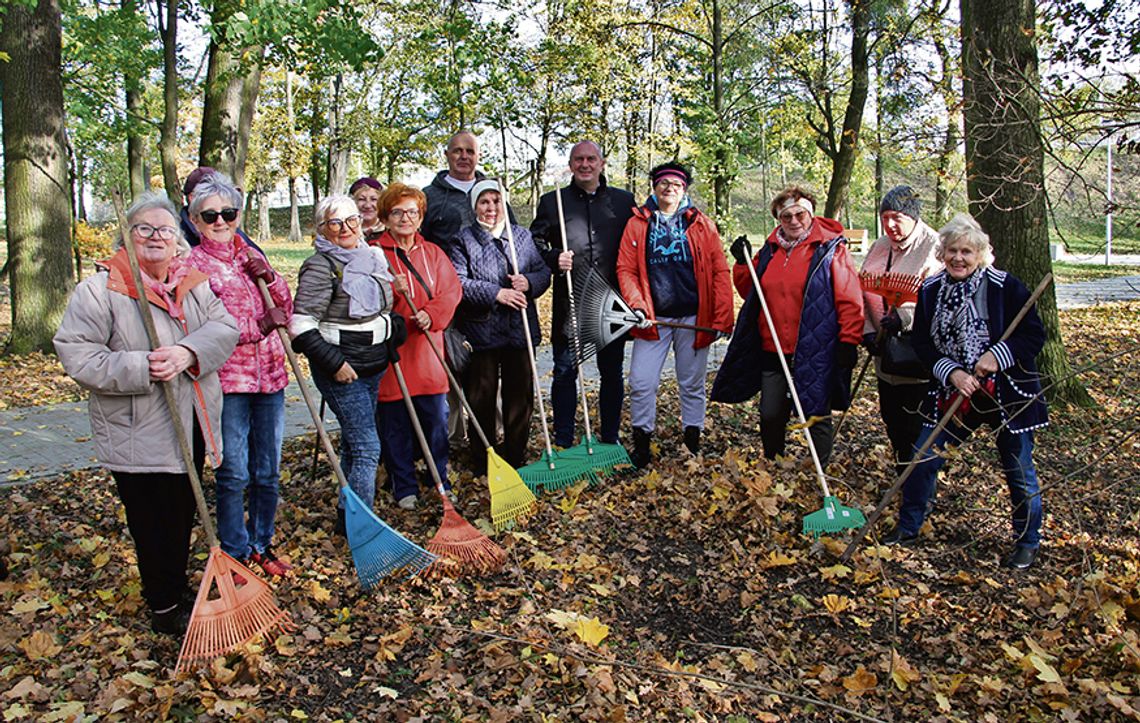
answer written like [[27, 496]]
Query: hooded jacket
[[103, 346], [714, 285]]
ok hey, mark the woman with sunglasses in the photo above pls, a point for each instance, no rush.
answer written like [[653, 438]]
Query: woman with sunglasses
[[813, 294], [344, 323], [253, 379]]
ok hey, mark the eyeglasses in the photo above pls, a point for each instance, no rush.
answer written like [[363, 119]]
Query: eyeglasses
[[671, 184], [336, 224], [797, 216], [163, 233], [408, 213], [228, 215]]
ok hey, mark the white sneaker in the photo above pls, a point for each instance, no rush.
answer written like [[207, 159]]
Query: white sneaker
[[407, 503]]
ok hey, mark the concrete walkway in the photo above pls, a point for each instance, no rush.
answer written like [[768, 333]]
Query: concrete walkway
[[46, 441]]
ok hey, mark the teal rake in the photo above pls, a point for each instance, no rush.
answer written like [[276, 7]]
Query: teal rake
[[378, 551]]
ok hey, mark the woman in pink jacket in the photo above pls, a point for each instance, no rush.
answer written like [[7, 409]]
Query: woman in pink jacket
[[253, 379]]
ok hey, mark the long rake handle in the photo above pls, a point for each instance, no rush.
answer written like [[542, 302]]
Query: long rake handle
[[788, 376], [921, 453], [682, 325], [419, 430], [529, 341], [322, 434], [455, 385], [168, 386], [574, 321]]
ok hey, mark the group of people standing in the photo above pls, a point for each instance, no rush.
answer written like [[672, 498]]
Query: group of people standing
[[394, 267]]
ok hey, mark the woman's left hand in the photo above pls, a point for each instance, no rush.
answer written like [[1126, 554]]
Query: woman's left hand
[[987, 365], [167, 362], [519, 283], [423, 321]]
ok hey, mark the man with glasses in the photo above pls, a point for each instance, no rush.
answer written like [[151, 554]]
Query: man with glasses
[[595, 215], [188, 230]]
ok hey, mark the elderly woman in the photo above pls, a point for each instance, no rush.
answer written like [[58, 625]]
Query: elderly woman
[[103, 345], [366, 192], [816, 303], [423, 274], [343, 322], [671, 266], [493, 296], [253, 379], [961, 316], [907, 246]]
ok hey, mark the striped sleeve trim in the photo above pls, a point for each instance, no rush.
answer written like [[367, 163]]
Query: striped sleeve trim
[[944, 367], [1003, 354], [996, 275]]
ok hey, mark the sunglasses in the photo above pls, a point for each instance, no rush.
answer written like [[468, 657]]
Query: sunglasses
[[227, 214]]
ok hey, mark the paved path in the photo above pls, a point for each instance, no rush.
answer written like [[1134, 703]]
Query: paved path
[[45, 441]]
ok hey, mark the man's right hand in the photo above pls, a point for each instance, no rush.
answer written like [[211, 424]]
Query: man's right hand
[[565, 260]]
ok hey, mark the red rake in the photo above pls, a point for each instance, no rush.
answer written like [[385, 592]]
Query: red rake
[[237, 614], [468, 549]]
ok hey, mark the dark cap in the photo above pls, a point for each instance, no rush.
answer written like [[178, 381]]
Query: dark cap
[[904, 200], [365, 181], [195, 177]]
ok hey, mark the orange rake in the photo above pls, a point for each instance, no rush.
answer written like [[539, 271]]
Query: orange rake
[[466, 548], [237, 614], [896, 288]]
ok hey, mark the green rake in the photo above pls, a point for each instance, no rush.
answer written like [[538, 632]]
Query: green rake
[[552, 470], [833, 517], [601, 456]]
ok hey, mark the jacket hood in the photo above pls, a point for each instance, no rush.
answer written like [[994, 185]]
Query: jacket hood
[[121, 281]]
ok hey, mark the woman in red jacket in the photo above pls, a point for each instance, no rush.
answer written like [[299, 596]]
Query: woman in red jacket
[[671, 266], [424, 274]]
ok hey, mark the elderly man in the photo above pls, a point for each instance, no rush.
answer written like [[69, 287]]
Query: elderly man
[[595, 215]]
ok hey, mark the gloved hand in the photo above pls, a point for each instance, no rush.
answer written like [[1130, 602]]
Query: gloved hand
[[256, 267], [643, 321], [891, 323], [846, 355], [399, 331], [274, 318], [741, 249], [871, 344], [393, 352]]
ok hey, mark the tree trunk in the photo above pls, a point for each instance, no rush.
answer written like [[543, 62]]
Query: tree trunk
[[294, 217], [338, 147], [229, 100], [943, 181], [844, 161], [37, 193], [168, 140], [1005, 159], [264, 232]]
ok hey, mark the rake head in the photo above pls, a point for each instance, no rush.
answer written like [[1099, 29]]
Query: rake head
[[602, 457], [511, 499], [377, 550], [466, 549], [603, 315], [553, 472], [227, 615], [896, 288], [833, 518]]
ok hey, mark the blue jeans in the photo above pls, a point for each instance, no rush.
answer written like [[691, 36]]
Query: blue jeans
[[252, 428], [354, 405], [1016, 454], [564, 390], [399, 443]]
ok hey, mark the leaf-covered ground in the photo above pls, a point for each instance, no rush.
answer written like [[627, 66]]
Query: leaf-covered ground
[[683, 593]]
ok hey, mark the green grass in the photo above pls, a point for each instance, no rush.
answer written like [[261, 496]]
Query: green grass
[[1067, 273]]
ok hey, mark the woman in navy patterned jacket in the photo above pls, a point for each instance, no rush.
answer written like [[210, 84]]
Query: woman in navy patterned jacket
[[961, 315], [489, 316]]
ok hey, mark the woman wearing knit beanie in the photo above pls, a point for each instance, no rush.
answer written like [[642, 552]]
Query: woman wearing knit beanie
[[907, 246]]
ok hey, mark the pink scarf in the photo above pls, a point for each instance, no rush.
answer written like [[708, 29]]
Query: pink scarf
[[167, 290]]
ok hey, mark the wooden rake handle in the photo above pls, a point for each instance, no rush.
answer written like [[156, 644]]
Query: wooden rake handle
[[167, 387], [920, 455], [334, 460]]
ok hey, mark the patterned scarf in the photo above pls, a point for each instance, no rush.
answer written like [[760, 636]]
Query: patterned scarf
[[365, 278], [788, 244], [168, 290], [956, 329]]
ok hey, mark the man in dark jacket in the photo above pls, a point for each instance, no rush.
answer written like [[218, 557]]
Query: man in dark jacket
[[595, 215]]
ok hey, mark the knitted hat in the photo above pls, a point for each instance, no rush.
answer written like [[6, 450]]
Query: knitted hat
[[671, 170], [195, 177], [904, 200], [365, 181]]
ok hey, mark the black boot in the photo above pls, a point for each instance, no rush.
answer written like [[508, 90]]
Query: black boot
[[640, 456], [339, 529], [693, 439], [170, 622]]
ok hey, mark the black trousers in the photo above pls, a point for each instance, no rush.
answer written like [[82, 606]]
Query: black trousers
[[487, 368], [898, 406], [775, 411], [160, 515]]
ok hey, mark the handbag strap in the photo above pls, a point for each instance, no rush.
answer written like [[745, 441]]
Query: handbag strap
[[411, 267]]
